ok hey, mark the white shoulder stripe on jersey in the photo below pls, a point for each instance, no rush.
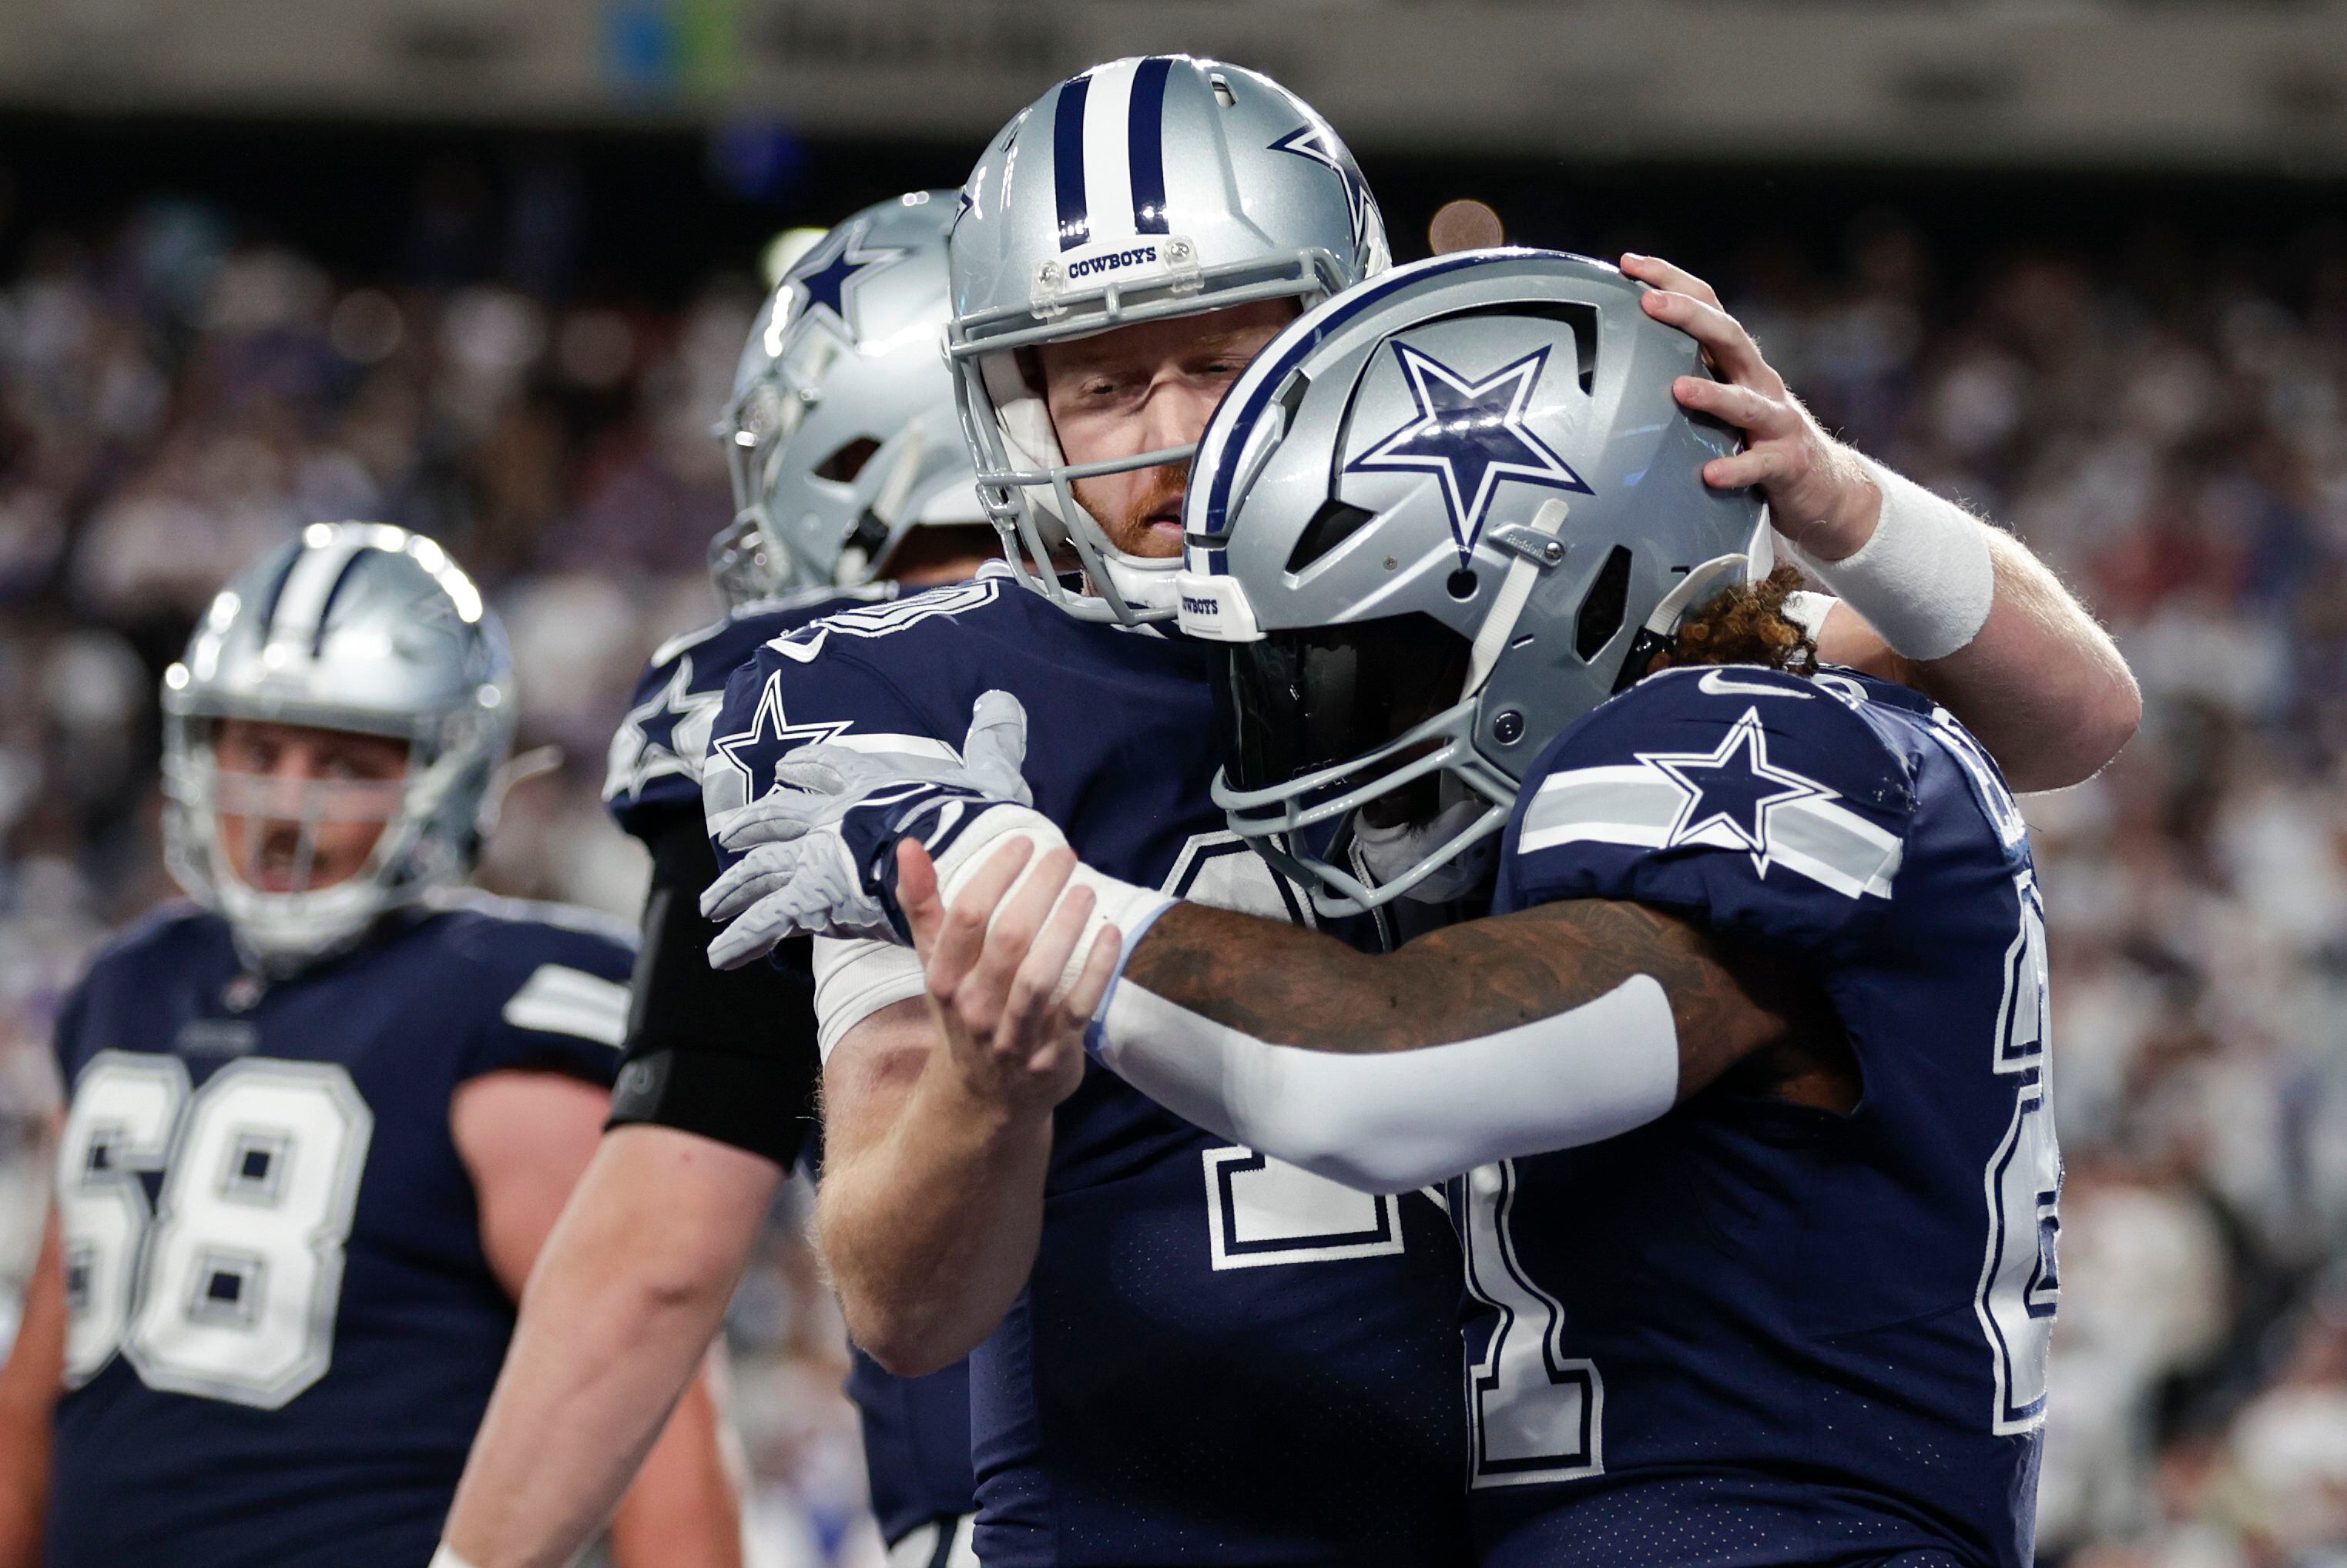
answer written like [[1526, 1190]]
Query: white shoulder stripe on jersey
[[886, 744], [1639, 805], [1834, 845], [1633, 803], [559, 999], [613, 929]]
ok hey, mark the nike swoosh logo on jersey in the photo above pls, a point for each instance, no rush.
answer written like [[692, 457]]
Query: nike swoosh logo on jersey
[[1720, 683]]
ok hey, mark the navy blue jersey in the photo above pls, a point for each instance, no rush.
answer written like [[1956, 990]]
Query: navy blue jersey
[[654, 767], [916, 1443], [1752, 1332], [282, 1328], [916, 1431], [1218, 1359]]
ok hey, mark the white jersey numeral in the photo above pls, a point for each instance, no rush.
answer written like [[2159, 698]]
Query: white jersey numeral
[[229, 1291], [2020, 1284], [124, 1112], [1538, 1414], [885, 620], [1261, 1212]]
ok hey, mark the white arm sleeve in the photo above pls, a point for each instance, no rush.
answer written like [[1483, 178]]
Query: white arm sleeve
[[855, 980], [1389, 1123]]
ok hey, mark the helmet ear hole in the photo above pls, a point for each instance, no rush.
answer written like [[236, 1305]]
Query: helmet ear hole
[[1604, 606], [1331, 526], [848, 460]]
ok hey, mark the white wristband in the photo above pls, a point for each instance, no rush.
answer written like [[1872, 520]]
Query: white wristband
[[1396, 1120], [447, 1558], [856, 978], [1924, 580], [1129, 909], [1808, 611]]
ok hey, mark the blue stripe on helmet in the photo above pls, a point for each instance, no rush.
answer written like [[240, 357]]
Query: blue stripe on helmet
[[1068, 161], [1345, 307], [327, 605], [277, 590], [1144, 143]]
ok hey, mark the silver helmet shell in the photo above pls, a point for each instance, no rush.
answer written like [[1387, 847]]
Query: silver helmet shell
[[841, 435], [352, 625], [1151, 187], [1438, 519]]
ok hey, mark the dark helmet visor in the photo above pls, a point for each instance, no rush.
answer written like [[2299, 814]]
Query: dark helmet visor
[[1305, 700]]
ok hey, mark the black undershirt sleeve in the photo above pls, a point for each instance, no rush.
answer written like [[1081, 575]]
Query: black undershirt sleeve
[[728, 1054]]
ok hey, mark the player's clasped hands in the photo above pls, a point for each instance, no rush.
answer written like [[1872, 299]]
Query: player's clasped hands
[[803, 870], [995, 959]]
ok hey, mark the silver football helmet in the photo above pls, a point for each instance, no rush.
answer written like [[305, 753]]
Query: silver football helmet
[[1160, 186], [1438, 519], [352, 626], [842, 436]]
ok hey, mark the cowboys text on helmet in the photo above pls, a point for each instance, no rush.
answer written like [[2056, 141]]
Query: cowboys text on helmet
[[1143, 190]]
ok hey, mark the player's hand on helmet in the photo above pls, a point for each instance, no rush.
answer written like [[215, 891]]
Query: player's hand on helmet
[[814, 849], [1818, 495], [993, 961]]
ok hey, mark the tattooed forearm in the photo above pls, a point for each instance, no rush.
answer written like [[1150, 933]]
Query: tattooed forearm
[[1295, 986]]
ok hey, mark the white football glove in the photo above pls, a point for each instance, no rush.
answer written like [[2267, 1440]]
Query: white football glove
[[814, 842]]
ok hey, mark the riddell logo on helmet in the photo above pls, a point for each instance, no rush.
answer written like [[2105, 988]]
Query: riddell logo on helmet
[[1110, 261]]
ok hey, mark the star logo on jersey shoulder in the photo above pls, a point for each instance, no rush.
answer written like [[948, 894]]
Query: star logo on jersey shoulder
[[1316, 144], [756, 751], [1731, 790], [832, 272], [1471, 434], [661, 736]]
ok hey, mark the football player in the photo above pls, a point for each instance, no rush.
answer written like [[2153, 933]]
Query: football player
[[1746, 1064], [850, 478], [1188, 1347], [321, 1122]]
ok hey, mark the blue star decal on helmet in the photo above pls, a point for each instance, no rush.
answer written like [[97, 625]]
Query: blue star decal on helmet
[[1472, 434], [665, 735], [756, 751], [1317, 144], [1732, 789], [836, 269]]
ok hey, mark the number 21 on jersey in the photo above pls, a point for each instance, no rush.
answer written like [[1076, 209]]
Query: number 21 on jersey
[[228, 1289]]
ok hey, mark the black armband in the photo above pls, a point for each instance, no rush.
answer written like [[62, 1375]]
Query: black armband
[[728, 1054]]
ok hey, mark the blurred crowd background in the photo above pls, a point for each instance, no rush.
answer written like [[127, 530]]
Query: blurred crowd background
[[2158, 405]]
